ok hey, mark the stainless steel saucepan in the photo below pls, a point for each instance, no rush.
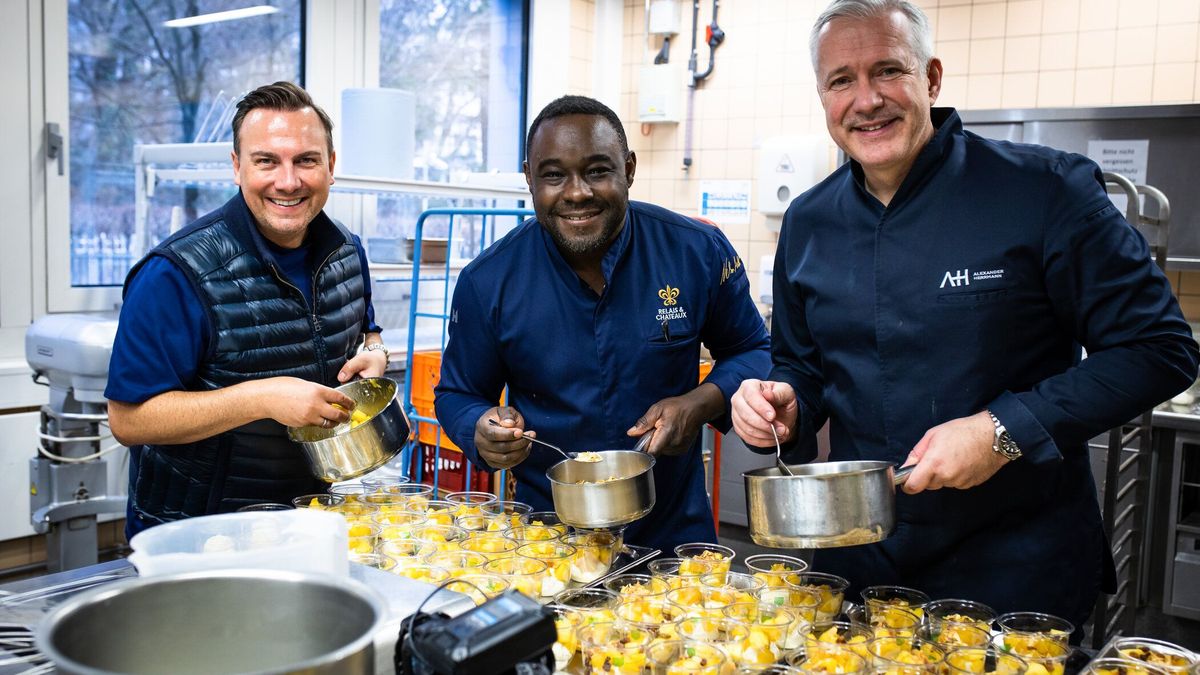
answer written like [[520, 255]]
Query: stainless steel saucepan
[[347, 450], [616, 490], [823, 505]]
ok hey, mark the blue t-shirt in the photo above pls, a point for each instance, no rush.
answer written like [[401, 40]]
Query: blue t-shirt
[[582, 368], [164, 333]]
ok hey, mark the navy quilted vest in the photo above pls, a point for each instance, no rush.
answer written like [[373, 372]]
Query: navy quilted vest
[[259, 326]]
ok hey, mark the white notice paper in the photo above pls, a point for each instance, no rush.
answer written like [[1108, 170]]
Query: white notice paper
[[725, 202], [1127, 158]]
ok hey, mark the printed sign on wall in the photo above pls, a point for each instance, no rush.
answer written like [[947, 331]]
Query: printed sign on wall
[[725, 202]]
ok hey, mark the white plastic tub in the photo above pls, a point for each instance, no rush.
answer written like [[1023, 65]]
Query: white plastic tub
[[302, 540]]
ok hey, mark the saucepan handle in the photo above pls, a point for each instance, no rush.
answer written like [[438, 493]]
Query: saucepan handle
[[902, 475], [644, 442]]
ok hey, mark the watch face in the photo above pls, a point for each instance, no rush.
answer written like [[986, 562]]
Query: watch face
[[1007, 446]]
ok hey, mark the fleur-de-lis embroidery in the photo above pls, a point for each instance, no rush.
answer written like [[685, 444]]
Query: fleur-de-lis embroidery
[[668, 295]]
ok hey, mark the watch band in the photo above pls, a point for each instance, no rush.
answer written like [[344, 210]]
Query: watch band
[[378, 346]]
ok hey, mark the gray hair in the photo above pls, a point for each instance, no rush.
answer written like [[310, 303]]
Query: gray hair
[[920, 39]]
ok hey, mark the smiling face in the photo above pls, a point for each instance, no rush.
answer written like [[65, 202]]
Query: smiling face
[[284, 169], [876, 94], [579, 176]]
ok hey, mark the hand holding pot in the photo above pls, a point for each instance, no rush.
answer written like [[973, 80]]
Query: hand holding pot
[[502, 445], [297, 403], [677, 420], [954, 454], [757, 405]]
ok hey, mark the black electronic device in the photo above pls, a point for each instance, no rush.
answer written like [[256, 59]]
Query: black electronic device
[[507, 634]]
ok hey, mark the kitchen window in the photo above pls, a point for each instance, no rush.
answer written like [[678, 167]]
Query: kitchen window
[[465, 62], [135, 72]]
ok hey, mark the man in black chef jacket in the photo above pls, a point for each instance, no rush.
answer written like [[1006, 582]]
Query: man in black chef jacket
[[931, 299]]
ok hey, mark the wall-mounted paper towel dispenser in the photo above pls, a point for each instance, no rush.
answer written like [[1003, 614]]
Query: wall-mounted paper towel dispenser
[[787, 166]]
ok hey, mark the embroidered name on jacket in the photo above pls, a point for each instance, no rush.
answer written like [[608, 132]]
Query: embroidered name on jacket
[[964, 277]]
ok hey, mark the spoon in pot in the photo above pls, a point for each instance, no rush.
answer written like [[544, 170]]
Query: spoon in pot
[[783, 468], [569, 455]]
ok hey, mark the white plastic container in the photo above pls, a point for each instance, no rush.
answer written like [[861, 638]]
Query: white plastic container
[[302, 540]]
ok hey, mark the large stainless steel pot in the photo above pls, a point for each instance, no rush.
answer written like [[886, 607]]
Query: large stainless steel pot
[[343, 452], [616, 490], [822, 505], [229, 621]]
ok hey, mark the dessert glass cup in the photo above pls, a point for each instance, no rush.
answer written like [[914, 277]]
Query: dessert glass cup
[[377, 560], [901, 596], [557, 558], [984, 661], [825, 658], [320, 502], [407, 551], [719, 556], [507, 511], [1111, 665], [680, 657], [479, 586], [470, 503], [905, 656], [952, 635], [830, 588], [677, 572]]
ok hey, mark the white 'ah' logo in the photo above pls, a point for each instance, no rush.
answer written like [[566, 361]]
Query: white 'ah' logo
[[962, 277]]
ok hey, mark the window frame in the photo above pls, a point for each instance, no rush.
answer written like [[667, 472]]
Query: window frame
[[61, 295]]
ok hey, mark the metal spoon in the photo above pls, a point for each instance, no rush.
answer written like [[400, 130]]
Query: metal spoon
[[564, 453], [783, 468]]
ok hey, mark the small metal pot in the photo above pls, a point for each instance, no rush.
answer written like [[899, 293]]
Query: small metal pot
[[823, 505], [616, 490], [342, 453], [229, 621]]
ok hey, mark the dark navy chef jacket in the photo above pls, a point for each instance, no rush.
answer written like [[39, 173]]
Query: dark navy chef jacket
[[582, 368], [975, 288]]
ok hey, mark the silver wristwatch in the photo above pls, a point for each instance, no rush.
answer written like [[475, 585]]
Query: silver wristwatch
[[378, 346], [1002, 442]]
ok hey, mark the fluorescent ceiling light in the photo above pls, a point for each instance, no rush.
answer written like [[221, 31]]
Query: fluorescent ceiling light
[[230, 15]]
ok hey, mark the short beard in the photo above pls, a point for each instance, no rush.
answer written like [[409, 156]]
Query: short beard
[[596, 244]]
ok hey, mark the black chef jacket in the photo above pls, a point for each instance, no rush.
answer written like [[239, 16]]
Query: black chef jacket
[[975, 288]]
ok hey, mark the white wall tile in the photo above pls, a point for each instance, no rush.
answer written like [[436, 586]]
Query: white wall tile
[[1058, 51], [1056, 88], [1174, 82], [1132, 85], [1022, 54], [1135, 46], [1100, 15], [954, 23], [1060, 16], [987, 56], [1019, 90], [1097, 48], [1133, 13], [985, 92], [1178, 11], [988, 21], [955, 56], [1024, 18], [1093, 86], [1175, 43]]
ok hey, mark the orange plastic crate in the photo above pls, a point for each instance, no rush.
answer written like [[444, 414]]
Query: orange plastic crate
[[452, 470]]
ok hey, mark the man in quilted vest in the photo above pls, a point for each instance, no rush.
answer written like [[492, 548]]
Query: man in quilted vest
[[242, 324]]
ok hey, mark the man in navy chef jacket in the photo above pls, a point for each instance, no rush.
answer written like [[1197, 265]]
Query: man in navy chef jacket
[[240, 324], [931, 298], [593, 314]]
